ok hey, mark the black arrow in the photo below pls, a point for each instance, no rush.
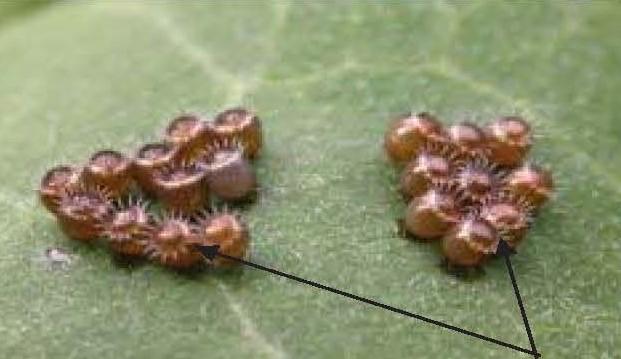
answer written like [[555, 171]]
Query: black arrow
[[506, 251], [210, 253]]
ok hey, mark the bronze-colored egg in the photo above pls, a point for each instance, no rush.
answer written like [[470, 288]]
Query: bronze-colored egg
[[242, 125], [409, 135], [227, 231], [431, 215], [56, 182], [173, 244], [181, 188], [509, 139], [474, 184], [531, 183], [129, 231], [83, 215], [509, 220], [468, 138], [151, 158], [425, 171], [109, 169], [229, 175], [191, 135], [469, 242]]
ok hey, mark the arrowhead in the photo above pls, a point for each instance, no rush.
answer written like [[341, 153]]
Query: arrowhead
[[209, 252], [504, 249]]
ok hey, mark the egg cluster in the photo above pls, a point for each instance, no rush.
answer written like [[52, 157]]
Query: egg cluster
[[196, 163], [467, 186]]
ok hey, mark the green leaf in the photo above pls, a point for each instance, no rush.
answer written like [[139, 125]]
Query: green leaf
[[76, 77]]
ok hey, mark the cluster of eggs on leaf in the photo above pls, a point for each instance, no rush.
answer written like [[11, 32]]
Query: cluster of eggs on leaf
[[196, 163], [467, 186]]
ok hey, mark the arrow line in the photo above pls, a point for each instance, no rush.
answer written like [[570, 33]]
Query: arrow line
[[506, 252], [210, 252]]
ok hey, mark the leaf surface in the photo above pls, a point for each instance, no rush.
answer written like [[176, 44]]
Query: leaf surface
[[326, 80]]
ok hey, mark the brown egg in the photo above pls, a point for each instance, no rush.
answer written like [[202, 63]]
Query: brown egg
[[109, 169], [531, 183], [56, 182], [474, 183], [151, 158], [181, 188], [129, 231], [469, 242], [227, 231], [509, 139], [410, 134], [239, 124], [83, 215], [510, 220], [431, 215], [420, 174], [173, 244], [468, 138], [229, 175], [191, 135]]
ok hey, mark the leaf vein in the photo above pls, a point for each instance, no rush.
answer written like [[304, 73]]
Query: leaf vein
[[248, 327]]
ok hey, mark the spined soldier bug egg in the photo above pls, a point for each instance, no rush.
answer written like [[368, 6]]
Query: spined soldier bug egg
[[410, 134]]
